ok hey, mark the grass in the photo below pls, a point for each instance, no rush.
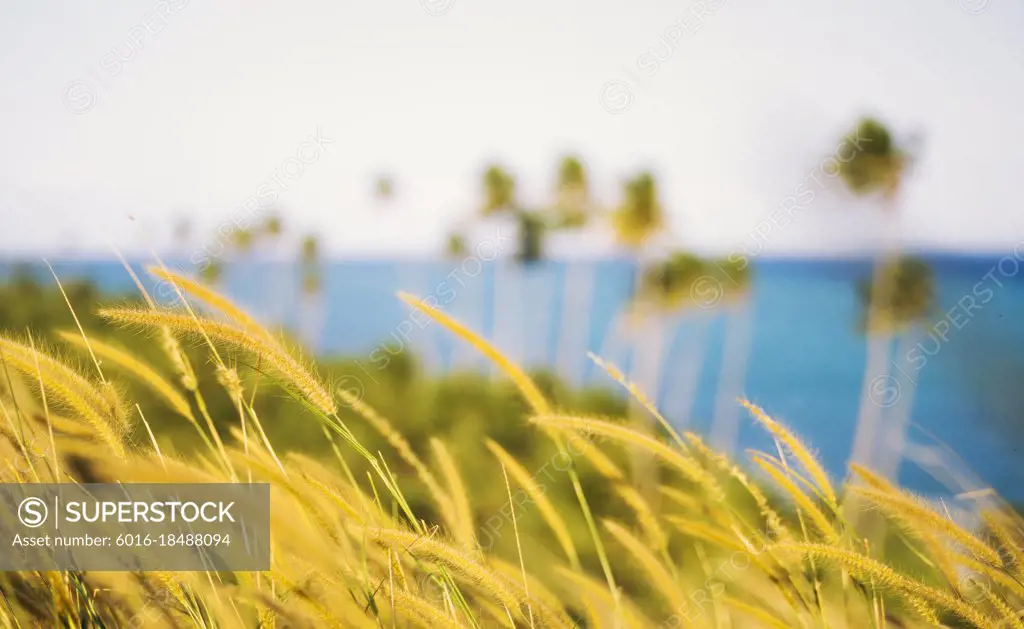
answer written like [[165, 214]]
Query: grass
[[380, 530]]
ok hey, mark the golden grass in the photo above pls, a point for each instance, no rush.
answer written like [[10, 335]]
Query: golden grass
[[97, 403], [140, 370], [919, 516], [885, 577], [537, 495], [352, 552], [800, 452], [271, 356]]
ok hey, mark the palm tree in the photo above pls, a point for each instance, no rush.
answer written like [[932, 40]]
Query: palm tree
[[640, 216], [412, 275], [273, 226], [666, 294], [531, 233], [455, 245], [663, 292], [311, 306], [636, 222], [499, 190], [500, 202], [909, 299], [573, 194], [270, 233], [572, 214], [734, 280], [182, 236], [212, 273], [461, 356], [876, 166], [384, 187], [243, 241], [535, 286]]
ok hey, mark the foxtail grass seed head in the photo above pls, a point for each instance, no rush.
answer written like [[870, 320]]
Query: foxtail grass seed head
[[273, 357]]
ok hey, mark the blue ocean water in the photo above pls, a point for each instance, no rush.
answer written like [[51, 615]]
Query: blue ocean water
[[806, 354]]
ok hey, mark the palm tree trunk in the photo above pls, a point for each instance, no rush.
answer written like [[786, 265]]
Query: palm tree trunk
[[876, 383], [414, 278], [507, 312], [645, 342], [725, 427], [645, 373], [574, 327], [684, 396], [538, 290], [647, 357], [310, 315], [467, 302], [877, 380], [894, 431], [636, 342]]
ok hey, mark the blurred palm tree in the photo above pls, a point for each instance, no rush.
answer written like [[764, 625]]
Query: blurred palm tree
[[733, 279], [531, 231], [534, 285], [460, 356], [876, 166], [271, 232], [182, 236], [640, 216], [412, 275], [311, 300], [499, 189], [501, 206], [636, 222], [273, 226], [572, 214], [573, 194], [667, 287], [455, 246], [908, 296], [243, 241], [384, 187], [212, 273], [663, 294]]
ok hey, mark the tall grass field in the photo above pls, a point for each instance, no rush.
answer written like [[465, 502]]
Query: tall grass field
[[623, 522]]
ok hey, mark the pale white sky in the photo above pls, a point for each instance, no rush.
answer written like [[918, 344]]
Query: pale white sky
[[750, 98]]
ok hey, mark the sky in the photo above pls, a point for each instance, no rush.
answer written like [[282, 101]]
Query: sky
[[119, 117]]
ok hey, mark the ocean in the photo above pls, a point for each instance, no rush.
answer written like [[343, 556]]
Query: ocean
[[804, 359]]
